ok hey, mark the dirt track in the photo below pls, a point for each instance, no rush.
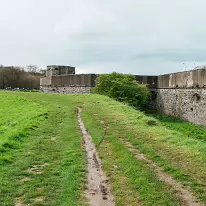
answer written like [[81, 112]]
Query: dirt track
[[188, 199], [98, 192], [98, 189]]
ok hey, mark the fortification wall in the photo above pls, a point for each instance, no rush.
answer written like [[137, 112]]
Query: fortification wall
[[180, 94], [68, 84], [66, 90], [60, 70], [187, 79], [187, 104], [45, 81], [87, 80], [183, 95]]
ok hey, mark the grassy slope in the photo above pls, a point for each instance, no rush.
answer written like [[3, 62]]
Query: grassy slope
[[133, 182], [55, 141], [182, 157], [187, 128], [17, 115]]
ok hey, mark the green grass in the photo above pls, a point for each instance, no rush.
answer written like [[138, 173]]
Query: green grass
[[51, 135], [17, 115], [187, 128], [119, 163], [180, 156], [55, 140]]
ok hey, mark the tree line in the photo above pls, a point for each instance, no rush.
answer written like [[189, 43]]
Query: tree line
[[17, 77]]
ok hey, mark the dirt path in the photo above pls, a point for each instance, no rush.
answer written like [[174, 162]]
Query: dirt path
[[98, 189], [186, 196]]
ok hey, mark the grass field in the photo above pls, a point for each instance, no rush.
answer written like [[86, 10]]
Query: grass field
[[43, 161]]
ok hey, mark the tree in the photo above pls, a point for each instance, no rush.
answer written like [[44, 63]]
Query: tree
[[16, 77], [122, 87]]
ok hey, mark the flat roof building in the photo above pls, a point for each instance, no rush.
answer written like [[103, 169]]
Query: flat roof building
[[59, 70]]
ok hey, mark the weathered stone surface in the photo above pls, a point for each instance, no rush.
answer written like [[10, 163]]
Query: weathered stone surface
[[66, 90], [187, 104], [45, 81], [188, 79]]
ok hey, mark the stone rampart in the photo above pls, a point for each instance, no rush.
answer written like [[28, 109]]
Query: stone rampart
[[187, 104], [66, 90], [181, 94], [187, 79]]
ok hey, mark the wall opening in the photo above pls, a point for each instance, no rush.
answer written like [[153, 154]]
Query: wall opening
[[196, 97]]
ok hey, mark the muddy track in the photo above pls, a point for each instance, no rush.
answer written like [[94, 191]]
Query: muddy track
[[188, 199], [98, 189]]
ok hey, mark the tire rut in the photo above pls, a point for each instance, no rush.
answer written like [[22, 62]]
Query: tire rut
[[98, 188], [186, 196]]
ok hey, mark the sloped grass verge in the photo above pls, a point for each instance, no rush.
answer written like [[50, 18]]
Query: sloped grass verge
[[48, 166], [180, 156], [17, 117], [142, 185], [187, 128]]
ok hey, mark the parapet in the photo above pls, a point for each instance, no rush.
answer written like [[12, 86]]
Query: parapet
[[187, 79]]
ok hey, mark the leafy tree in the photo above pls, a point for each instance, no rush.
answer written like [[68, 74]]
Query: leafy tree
[[122, 87]]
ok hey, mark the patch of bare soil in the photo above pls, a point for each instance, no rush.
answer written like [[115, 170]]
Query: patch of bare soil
[[54, 138], [185, 194], [26, 179], [38, 200], [36, 169], [98, 189], [18, 202]]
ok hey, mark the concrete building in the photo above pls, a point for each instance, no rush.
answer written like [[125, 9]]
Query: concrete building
[[59, 70]]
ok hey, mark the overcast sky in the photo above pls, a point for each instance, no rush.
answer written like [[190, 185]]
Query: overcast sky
[[97, 36]]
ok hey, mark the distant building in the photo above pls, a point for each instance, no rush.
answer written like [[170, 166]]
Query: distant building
[[62, 79], [59, 70]]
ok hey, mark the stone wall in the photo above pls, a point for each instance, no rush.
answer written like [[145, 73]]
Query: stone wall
[[46, 81], [181, 94], [187, 104], [187, 79], [61, 70], [87, 80], [66, 90]]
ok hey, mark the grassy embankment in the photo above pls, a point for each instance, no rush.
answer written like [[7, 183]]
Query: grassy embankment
[[187, 128], [55, 140], [42, 158], [181, 156]]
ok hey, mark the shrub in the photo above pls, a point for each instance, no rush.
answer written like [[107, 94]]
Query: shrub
[[122, 87]]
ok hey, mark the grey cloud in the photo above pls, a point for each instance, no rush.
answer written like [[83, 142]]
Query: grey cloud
[[132, 36], [190, 55]]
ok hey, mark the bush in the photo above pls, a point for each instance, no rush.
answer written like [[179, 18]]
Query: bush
[[122, 87]]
